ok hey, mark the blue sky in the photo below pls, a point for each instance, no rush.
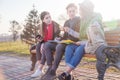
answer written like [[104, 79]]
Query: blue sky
[[19, 9]]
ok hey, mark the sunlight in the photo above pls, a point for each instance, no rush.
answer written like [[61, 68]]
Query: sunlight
[[19, 11]]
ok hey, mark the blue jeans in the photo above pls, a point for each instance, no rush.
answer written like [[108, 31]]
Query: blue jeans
[[74, 54]]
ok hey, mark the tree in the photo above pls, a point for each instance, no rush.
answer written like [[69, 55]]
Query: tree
[[15, 27], [31, 26], [62, 18]]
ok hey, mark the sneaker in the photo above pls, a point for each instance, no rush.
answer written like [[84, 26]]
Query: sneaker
[[45, 69], [37, 73]]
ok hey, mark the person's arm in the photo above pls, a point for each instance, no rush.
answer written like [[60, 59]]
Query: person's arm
[[96, 32], [56, 29], [65, 34], [73, 33]]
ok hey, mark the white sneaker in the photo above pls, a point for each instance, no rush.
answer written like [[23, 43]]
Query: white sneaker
[[37, 73], [45, 69]]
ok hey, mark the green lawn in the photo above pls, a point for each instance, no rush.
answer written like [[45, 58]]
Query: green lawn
[[111, 24], [16, 47]]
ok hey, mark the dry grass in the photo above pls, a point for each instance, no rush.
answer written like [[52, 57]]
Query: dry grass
[[16, 47]]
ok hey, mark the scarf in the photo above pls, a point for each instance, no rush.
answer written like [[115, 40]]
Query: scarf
[[48, 32]]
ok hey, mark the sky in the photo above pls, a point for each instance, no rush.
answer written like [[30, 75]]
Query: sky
[[19, 9]]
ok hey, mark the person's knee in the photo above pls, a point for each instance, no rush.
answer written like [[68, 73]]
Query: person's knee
[[80, 49], [47, 45], [69, 47], [60, 47]]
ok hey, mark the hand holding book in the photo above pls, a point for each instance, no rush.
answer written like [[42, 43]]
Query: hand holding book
[[67, 42]]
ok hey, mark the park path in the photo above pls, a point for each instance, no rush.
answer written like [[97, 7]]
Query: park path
[[14, 67]]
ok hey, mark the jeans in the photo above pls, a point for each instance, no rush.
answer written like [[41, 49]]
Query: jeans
[[74, 54]]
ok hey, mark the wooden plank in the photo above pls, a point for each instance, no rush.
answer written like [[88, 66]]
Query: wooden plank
[[89, 55], [113, 43], [112, 38], [116, 35], [107, 32]]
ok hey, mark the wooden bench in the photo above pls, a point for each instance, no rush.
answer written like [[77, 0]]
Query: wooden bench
[[30, 42], [112, 39]]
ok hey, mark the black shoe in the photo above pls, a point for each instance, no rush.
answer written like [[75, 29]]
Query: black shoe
[[49, 75], [63, 76], [70, 77]]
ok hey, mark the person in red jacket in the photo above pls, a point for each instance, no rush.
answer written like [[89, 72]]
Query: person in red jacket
[[49, 31]]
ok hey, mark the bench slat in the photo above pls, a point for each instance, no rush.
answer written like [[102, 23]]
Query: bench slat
[[111, 37], [89, 55]]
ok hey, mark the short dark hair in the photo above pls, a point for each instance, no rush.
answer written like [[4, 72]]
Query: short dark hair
[[42, 15], [71, 5]]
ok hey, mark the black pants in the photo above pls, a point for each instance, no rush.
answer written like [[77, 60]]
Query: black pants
[[38, 53], [59, 51], [101, 64], [49, 49]]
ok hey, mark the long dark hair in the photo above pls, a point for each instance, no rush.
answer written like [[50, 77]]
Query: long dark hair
[[42, 16]]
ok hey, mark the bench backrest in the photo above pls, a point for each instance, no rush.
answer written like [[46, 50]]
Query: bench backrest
[[112, 37]]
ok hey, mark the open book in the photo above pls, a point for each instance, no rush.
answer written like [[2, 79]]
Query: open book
[[63, 41], [67, 41]]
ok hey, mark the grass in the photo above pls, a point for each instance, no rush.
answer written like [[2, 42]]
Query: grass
[[111, 24], [15, 47]]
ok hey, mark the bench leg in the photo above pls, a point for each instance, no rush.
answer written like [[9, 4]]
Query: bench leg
[[33, 59]]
